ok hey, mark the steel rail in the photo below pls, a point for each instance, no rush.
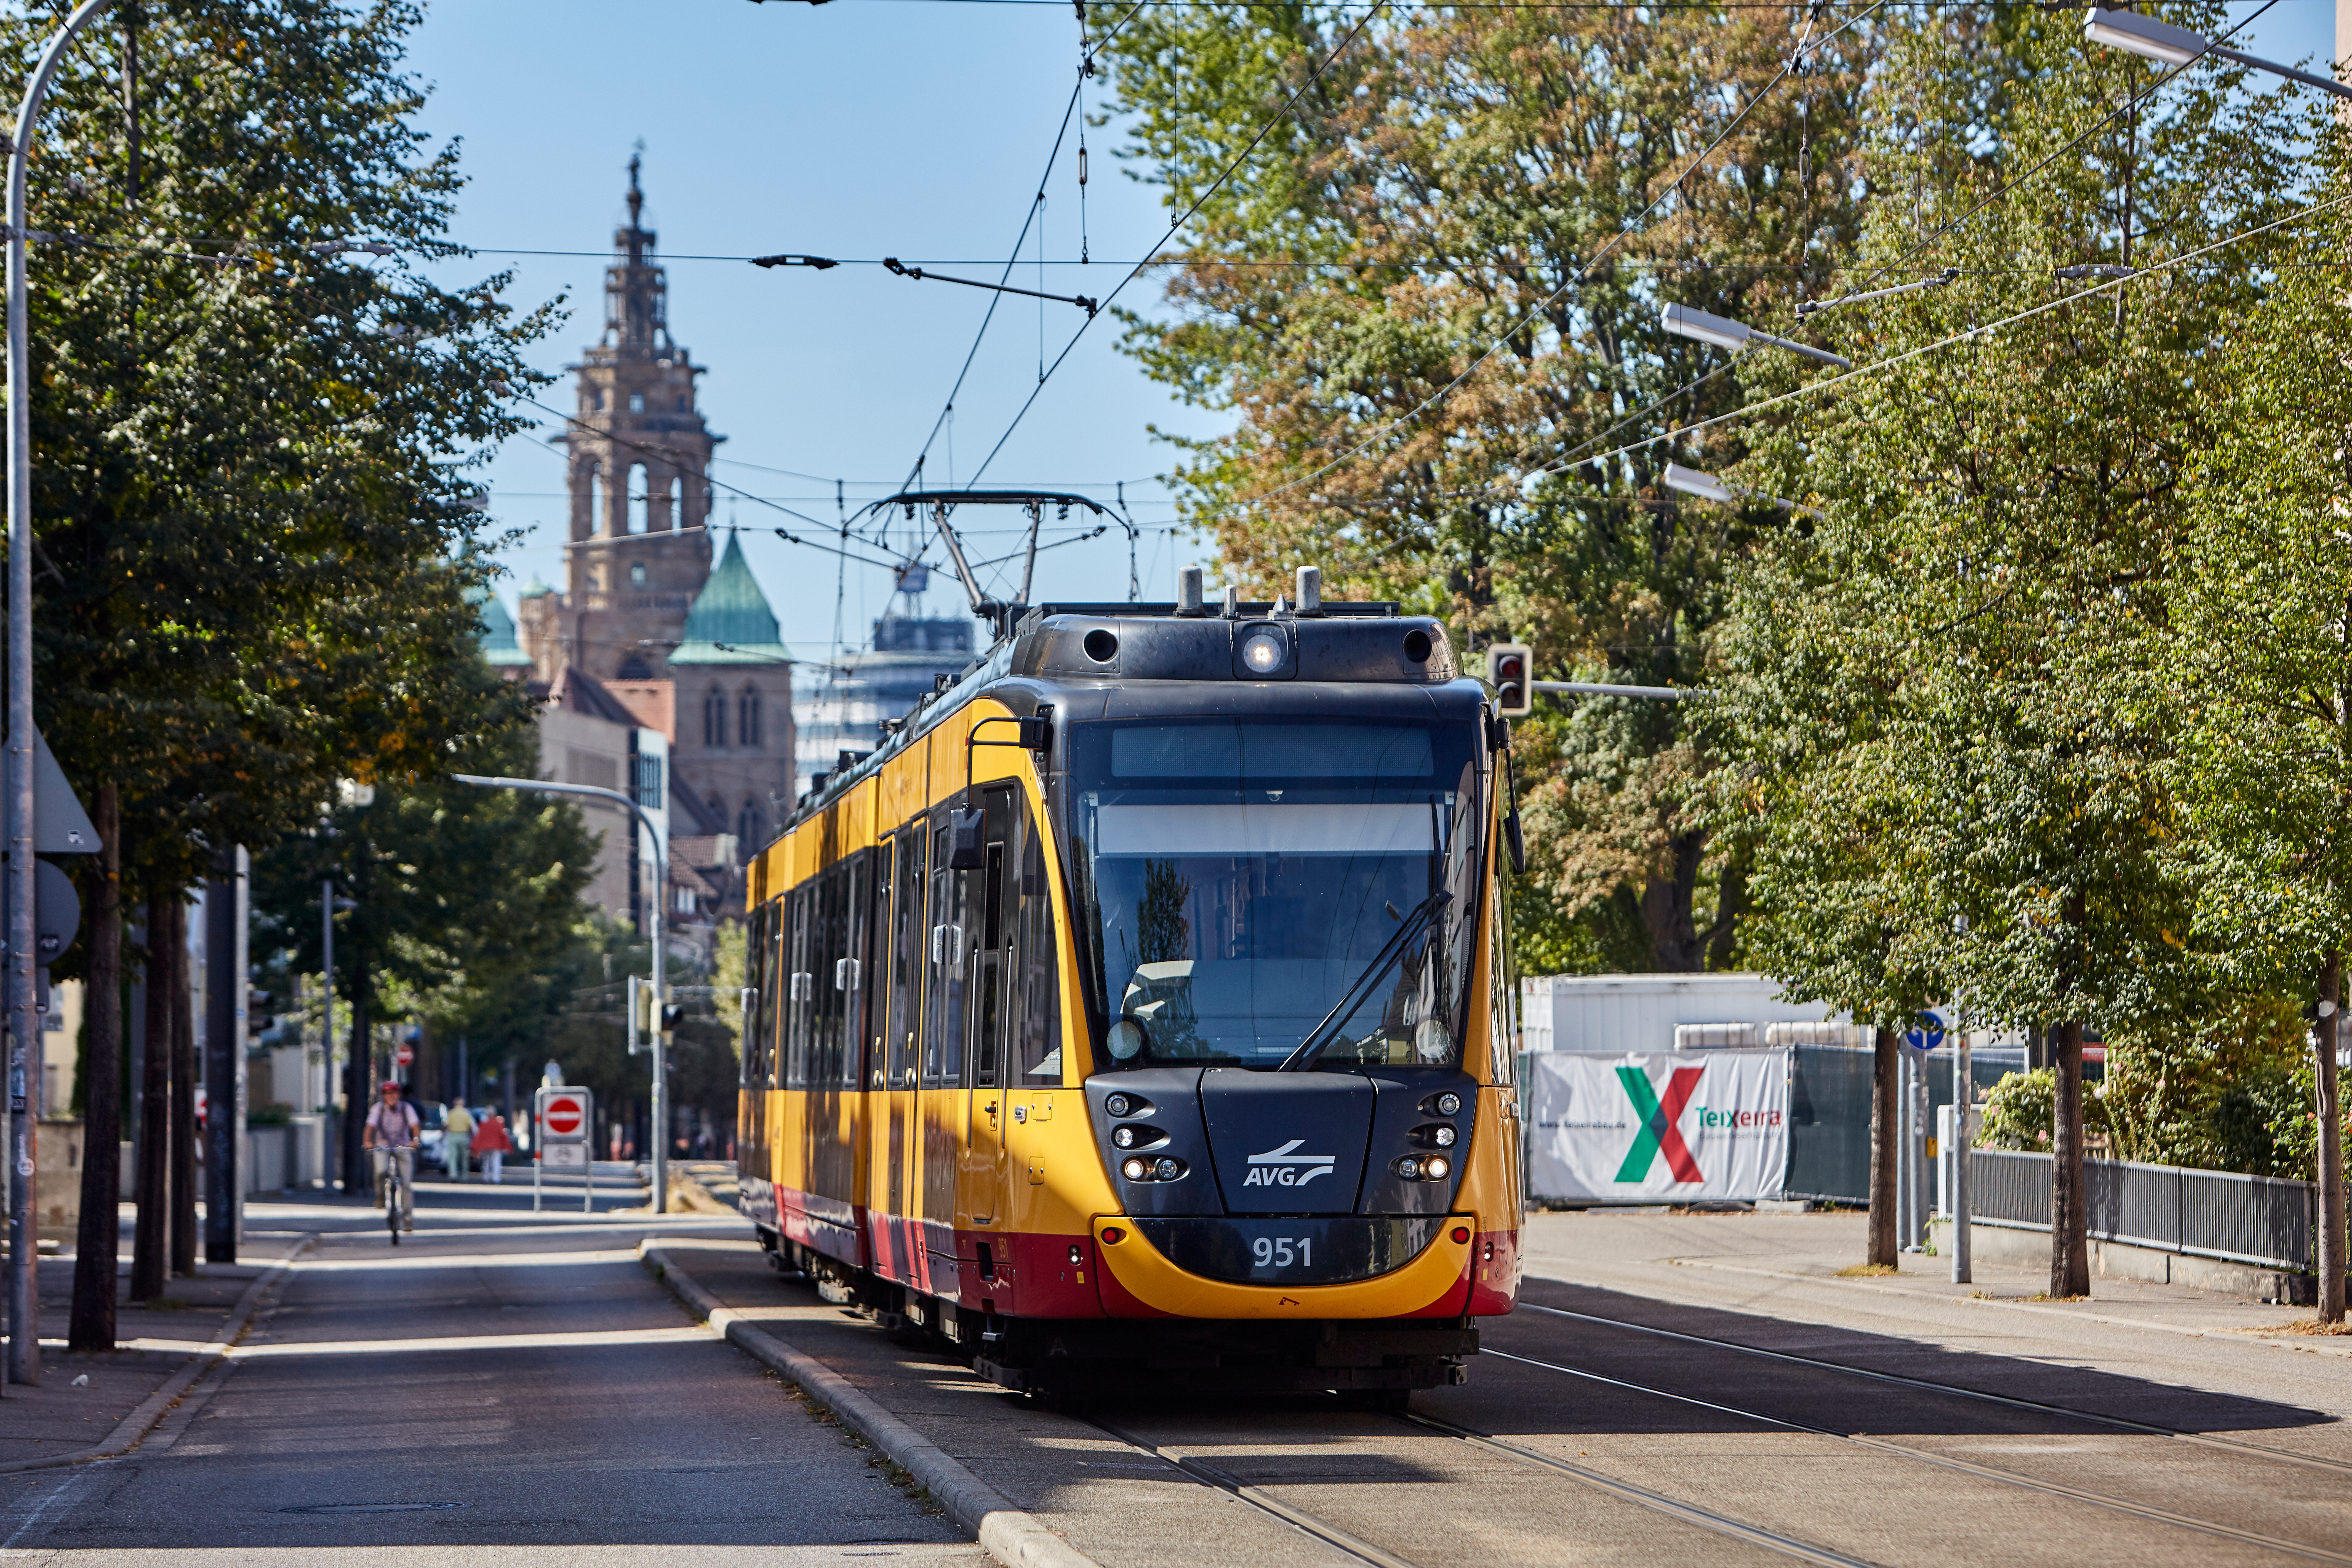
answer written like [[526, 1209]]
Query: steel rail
[[1258, 1498], [1965, 1466], [1624, 1491], [2124, 1423]]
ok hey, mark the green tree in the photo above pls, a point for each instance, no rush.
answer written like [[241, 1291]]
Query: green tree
[[1532, 179], [2005, 521], [249, 501], [2262, 650]]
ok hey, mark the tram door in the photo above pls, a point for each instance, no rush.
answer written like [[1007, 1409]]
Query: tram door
[[900, 1059], [948, 981], [988, 939]]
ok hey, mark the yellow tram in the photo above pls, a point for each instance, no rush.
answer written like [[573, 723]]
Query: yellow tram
[[1139, 1005]]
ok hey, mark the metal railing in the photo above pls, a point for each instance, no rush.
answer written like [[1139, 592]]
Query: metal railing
[[2203, 1214]]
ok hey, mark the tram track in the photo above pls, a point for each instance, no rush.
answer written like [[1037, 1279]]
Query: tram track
[[1717, 1522], [1366, 1551], [1928, 1385]]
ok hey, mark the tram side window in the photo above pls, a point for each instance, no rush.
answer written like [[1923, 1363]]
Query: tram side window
[[947, 954], [756, 960], [909, 938], [874, 965], [848, 973], [991, 940], [797, 1008], [825, 1064], [771, 992], [1037, 996]]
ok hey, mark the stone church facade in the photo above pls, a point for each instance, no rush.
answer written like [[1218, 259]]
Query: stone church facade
[[654, 628]]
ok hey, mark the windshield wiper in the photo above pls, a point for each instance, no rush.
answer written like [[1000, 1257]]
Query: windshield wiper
[[1319, 1038]]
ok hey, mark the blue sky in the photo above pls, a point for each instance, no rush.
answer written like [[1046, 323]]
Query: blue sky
[[861, 128]]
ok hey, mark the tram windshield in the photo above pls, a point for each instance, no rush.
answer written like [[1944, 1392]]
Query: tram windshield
[[1247, 885]]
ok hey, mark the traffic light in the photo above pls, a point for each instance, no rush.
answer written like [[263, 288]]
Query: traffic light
[[1510, 670], [670, 1014], [259, 1017]]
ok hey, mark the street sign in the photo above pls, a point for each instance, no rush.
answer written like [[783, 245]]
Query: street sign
[[57, 911], [60, 826], [564, 1119], [405, 1054], [564, 1115], [1925, 1032]]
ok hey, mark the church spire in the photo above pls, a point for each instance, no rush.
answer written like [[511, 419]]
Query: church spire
[[636, 292]]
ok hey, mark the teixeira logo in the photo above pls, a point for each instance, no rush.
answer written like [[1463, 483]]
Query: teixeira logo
[[1658, 1132], [1658, 1122]]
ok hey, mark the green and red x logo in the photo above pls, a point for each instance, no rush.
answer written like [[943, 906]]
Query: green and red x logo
[[1658, 1130]]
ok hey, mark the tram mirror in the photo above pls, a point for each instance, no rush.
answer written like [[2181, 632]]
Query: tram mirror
[[965, 852], [1515, 840]]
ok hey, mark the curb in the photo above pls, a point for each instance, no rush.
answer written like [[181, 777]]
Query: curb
[[1013, 1537], [132, 1429]]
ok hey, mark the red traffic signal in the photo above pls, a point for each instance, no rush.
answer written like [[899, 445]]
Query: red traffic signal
[[1510, 670]]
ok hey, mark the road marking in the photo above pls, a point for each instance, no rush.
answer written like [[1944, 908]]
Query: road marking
[[410, 1262], [40, 1510], [586, 1340]]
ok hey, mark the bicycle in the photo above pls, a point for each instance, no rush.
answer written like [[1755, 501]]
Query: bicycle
[[396, 1168]]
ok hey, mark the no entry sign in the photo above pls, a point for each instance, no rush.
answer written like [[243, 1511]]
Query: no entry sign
[[564, 1114]]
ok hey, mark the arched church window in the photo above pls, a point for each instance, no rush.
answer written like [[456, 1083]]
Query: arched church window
[[714, 725], [637, 498], [596, 520], [637, 402], [747, 723]]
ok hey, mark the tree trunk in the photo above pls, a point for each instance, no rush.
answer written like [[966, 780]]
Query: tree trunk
[[2331, 1145], [357, 1089], [150, 1243], [92, 1324], [2070, 1241], [184, 1092], [1884, 1150]]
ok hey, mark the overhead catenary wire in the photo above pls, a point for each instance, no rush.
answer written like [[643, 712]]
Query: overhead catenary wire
[[1829, 382], [1186, 216], [1571, 460]]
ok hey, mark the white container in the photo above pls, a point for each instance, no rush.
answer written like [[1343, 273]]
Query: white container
[[1643, 1013]]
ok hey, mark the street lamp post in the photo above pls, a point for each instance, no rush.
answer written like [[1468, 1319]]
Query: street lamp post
[[23, 1073], [2159, 40], [660, 901], [1685, 321]]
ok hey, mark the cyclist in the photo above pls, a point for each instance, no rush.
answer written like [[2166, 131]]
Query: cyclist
[[391, 1132]]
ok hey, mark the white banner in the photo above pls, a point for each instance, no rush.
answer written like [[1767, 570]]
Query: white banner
[[1679, 1126]]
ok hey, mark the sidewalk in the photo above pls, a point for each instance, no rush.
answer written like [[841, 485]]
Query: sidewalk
[[60, 1417]]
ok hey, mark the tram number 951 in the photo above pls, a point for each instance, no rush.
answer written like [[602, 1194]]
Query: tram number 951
[[1283, 1251]]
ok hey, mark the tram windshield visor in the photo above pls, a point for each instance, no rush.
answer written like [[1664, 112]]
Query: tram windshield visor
[[1240, 881]]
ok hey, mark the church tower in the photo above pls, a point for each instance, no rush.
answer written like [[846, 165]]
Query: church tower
[[639, 547]]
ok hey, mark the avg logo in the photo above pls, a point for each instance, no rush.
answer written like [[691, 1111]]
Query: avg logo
[[1658, 1130]]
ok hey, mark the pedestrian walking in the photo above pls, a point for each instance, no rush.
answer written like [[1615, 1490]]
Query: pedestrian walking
[[491, 1143], [458, 1141]]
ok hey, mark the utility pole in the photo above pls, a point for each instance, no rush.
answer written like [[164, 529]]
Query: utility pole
[[24, 1023]]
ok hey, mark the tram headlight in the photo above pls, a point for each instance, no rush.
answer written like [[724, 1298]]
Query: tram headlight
[[1263, 650], [1408, 1168], [1123, 1137], [1449, 1103], [1166, 1170], [1443, 1137], [1136, 1169], [1438, 1168], [1120, 1105]]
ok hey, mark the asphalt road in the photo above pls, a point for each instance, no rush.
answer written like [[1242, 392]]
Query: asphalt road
[[502, 1388]]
